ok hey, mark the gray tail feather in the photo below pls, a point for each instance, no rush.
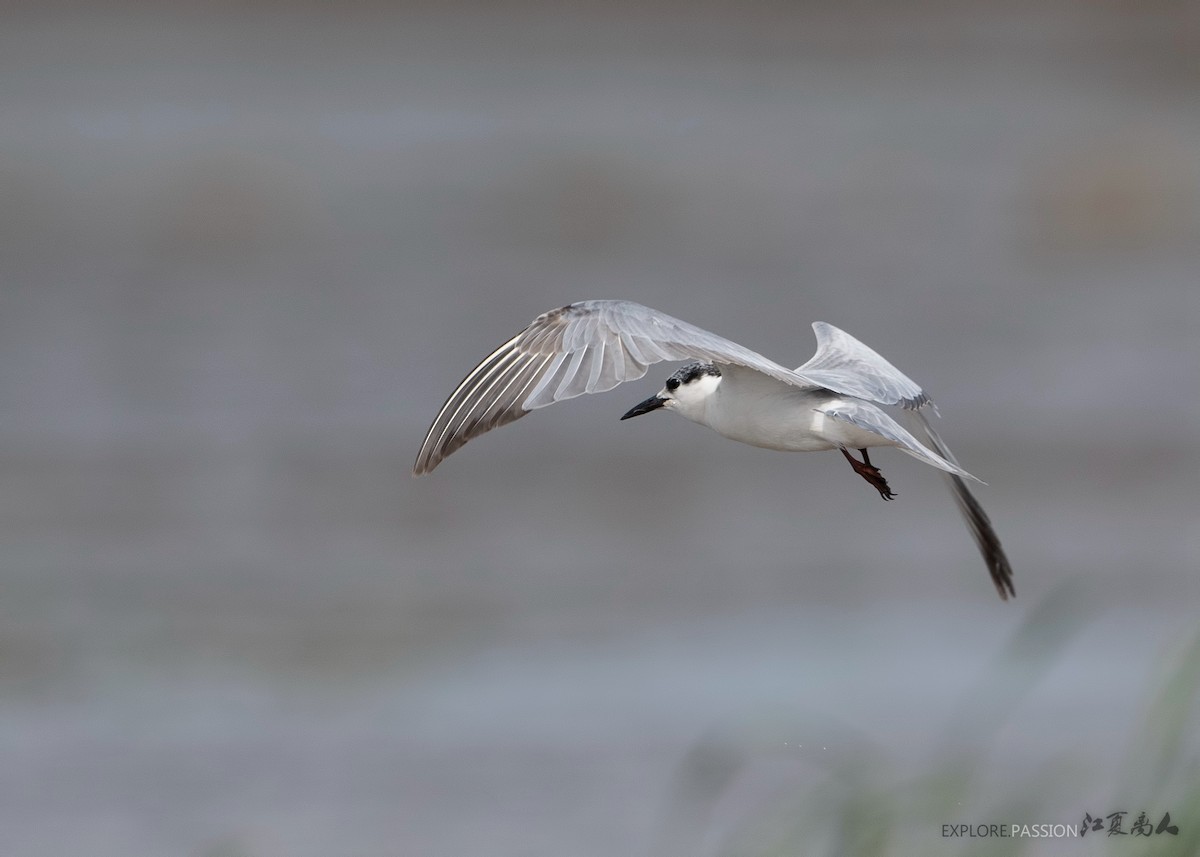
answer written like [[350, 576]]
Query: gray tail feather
[[977, 520]]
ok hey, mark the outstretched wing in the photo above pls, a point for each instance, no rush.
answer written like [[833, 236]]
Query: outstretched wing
[[846, 366], [585, 347], [592, 346]]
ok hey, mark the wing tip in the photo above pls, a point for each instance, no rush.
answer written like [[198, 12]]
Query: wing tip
[[1002, 579], [917, 402], [426, 461]]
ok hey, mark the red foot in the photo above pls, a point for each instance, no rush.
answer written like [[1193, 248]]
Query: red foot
[[871, 474]]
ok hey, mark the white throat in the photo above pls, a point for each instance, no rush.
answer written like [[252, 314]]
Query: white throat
[[692, 400]]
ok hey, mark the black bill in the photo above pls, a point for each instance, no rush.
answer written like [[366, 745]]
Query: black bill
[[651, 404]]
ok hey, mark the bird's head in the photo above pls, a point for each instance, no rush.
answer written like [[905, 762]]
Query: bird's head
[[686, 392]]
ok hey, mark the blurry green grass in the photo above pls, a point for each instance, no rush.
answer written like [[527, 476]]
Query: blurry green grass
[[858, 808]]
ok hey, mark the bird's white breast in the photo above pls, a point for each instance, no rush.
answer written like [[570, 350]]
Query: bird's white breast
[[758, 410]]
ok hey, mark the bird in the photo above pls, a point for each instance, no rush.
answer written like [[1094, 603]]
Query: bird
[[834, 401]]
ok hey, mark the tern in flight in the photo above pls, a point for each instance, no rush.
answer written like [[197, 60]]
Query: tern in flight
[[831, 402]]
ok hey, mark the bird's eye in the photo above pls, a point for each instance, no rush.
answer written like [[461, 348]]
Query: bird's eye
[[672, 383]]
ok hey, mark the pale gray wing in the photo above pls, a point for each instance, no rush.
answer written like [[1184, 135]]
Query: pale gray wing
[[585, 347], [870, 418], [977, 520], [846, 366]]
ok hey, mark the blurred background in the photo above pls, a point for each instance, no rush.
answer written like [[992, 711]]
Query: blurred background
[[246, 250]]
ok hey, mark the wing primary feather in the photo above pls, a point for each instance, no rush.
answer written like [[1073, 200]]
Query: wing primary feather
[[534, 339], [518, 394], [491, 394], [977, 520], [598, 349], [569, 375], [451, 442], [546, 380], [652, 348], [617, 366], [509, 398], [634, 348], [455, 421], [435, 430]]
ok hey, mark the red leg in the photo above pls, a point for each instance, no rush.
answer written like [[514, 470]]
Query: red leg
[[869, 472]]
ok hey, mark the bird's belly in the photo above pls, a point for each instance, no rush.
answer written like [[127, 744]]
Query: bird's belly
[[791, 429], [792, 423]]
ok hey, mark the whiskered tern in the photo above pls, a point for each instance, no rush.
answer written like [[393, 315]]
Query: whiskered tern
[[831, 402]]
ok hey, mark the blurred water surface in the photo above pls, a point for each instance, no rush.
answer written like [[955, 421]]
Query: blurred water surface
[[246, 252]]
